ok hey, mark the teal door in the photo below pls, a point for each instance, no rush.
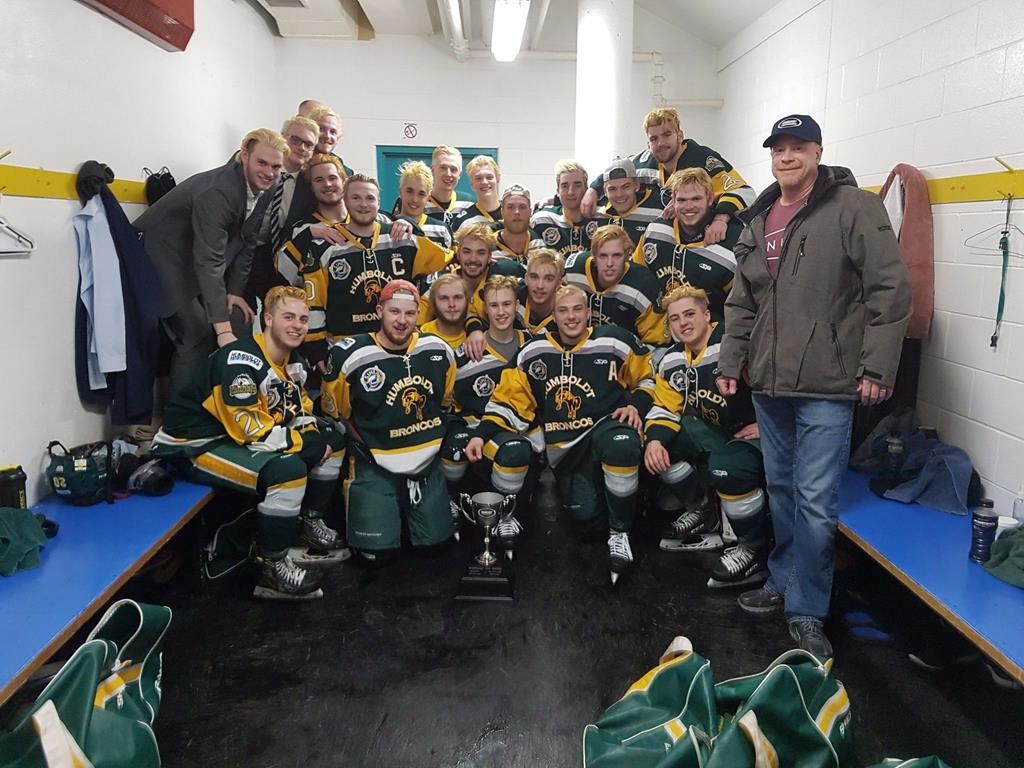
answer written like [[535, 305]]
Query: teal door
[[391, 156]]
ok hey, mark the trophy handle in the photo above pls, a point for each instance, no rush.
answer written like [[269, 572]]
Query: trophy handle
[[508, 507], [466, 506]]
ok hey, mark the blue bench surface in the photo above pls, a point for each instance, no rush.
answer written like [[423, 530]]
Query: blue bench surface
[[96, 551], [927, 551]]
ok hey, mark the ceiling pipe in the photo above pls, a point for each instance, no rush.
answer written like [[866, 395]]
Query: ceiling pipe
[[451, 25], [482, 53], [542, 15]]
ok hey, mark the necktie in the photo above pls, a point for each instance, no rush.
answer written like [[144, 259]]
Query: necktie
[[276, 211]]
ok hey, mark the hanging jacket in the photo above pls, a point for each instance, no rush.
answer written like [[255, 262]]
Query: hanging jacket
[[908, 199]]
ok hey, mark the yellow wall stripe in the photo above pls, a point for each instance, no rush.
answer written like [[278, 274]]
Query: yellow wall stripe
[[976, 188], [19, 181]]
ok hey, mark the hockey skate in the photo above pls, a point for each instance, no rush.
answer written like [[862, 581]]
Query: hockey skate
[[739, 566], [706, 536], [619, 553], [696, 518], [508, 534], [453, 508], [283, 580], [319, 546]]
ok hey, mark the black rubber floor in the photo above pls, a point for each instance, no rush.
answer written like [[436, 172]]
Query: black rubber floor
[[388, 670]]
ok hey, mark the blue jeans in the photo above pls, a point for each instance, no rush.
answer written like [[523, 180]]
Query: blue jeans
[[806, 445]]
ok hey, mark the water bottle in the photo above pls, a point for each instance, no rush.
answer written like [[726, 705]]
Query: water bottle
[[894, 456], [12, 486], [984, 522]]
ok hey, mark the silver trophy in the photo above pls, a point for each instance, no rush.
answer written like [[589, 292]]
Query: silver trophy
[[488, 578]]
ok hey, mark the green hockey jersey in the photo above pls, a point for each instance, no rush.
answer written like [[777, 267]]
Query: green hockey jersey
[[632, 303], [685, 385], [503, 250], [343, 281], [446, 213], [476, 380], [569, 390], [433, 229], [239, 394], [648, 208], [676, 259], [395, 403], [558, 231], [527, 317], [474, 214], [732, 193]]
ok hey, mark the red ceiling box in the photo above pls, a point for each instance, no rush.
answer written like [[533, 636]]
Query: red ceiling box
[[168, 23]]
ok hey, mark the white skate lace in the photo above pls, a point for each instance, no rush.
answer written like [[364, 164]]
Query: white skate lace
[[509, 528], [737, 558], [322, 531], [618, 546], [289, 573], [687, 521]]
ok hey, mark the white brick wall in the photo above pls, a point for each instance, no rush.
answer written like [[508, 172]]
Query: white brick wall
[[938, 84]]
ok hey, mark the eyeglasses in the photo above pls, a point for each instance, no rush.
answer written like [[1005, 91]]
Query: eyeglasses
[[295, 141]]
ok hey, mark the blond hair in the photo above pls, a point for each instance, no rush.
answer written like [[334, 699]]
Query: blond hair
[[662, 115], [266, 136], [499, 283], [607, 234], [322, 158], [686, 291], [363, 178], [301, 122], [321, 111], [565, 290], [479, 231], [538, 257], [479, 162], [696, 176], [417, 170], [279, 294], [448, 278], [568, 166], [444, 149]]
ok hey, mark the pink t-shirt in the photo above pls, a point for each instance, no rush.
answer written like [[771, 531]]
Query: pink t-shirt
[[775, 229]]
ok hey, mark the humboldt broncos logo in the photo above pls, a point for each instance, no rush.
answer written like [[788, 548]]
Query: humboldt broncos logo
[[371, 291], [565, 398], [412, 399]]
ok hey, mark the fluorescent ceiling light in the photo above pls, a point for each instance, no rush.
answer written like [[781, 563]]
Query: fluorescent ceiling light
[[509, 26]]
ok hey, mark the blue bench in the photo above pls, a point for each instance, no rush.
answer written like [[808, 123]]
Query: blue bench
[[926, 550], [96, 551]]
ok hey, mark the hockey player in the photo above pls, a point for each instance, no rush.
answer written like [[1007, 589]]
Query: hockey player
[[668, 151], [506, 457], [447, 299], [630, 205], [343, 281], [484, 177], [414, 184], [676, 252], [330, 132], [393, 387], [693, 430], [619, 292], [544, 273], [564, 228], [587, 388], [444, 203], [514, 238], [245, 422]]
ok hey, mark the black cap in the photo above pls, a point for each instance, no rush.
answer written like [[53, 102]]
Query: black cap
[[802, 126]]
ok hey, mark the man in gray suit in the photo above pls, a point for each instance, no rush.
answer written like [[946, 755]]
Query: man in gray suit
[[200, 236]]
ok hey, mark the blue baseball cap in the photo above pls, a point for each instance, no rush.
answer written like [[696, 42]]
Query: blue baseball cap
[[801, 126]]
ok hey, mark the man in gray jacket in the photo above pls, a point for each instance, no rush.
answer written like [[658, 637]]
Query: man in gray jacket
[[814, 323], [200, 236]]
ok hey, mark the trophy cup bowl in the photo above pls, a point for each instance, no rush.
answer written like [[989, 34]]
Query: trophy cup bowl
[[486, 578]]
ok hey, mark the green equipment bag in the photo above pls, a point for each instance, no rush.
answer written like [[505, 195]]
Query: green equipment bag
[[665, 720], [98, 710], [793, 713], [231, 546], [84, 474]]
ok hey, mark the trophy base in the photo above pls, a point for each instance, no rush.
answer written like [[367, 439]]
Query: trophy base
[[491, 583]]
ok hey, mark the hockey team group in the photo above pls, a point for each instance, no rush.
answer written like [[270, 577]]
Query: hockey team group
[[658, 335]]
